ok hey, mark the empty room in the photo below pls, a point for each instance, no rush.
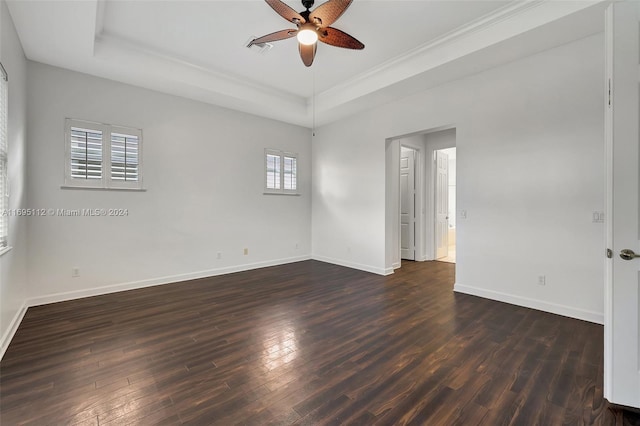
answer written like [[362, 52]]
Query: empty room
[[337, 212]]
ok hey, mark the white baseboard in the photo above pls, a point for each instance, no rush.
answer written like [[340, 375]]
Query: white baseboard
[[97, 291], [564, 310], [554, 308], [353, 265], [11, 331]]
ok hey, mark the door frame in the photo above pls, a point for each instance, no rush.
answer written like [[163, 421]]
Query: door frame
[[436, 207], [621, 320], [392, 200], [431, 148], [418, 170], [418, 208]]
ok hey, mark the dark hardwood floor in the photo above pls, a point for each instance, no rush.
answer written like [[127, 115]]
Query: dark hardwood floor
[[307, 343]]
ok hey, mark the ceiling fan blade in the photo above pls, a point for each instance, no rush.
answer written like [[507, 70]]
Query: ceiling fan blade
[[338, 38], [286, 12], [327, 13], [278, 35], [307, 53]]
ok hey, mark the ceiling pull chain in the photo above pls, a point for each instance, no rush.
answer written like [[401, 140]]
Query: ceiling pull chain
[[313, 106]]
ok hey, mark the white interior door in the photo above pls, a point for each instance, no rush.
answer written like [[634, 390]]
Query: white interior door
[[442, 204], [407, 204], [622, 360]]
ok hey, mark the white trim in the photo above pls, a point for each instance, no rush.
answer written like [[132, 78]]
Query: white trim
[[430, 170], [419, 178], [100, 188], [114, 288], [295, 194], [471, 29], [564, 310], [354, 265], [69, 123], [608, 212], [105, 182], [4, 158], [11, 331], [282, 154], [505, 23], [540, 305], [98, 291], [128, 131]]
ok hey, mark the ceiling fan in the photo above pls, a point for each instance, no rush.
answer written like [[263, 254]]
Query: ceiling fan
[[312, 26]]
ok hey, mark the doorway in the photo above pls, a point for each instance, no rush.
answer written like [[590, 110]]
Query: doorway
[[422, 146], [445, 204]]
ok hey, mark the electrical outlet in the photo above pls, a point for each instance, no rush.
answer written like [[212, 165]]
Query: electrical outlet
[[463, 214], [219, 255], [246, 251], [542, 280], [75, 272]]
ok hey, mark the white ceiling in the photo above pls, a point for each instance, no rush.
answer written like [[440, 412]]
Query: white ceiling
[[197, 49]]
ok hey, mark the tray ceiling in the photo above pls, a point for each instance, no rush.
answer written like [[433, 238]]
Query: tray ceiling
[[197, 49]]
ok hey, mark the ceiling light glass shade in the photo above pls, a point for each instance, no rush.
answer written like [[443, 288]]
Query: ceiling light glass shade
[[307, 36]]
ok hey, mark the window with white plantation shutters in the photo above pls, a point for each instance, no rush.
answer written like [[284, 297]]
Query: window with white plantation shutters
[[102, 156], [86, 153], [4, 176], [124, 157], [273, 171], [290, 173], [281, 172]]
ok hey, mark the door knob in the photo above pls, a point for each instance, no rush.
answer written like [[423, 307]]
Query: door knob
[[627, 254]]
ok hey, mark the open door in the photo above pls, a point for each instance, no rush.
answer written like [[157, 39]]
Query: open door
[[622, 281], [407, 204], [442, 204]]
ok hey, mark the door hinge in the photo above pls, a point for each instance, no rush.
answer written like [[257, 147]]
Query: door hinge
[[609, 253], [609, 92]]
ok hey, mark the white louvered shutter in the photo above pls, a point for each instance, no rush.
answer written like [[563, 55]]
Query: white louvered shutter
[[4, 173]]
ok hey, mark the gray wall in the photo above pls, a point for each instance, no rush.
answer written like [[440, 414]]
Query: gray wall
[[530, 173], [204, 175]]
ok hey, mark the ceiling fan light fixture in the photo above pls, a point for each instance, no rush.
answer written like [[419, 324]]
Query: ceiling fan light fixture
[[307, 35], [312, 25]]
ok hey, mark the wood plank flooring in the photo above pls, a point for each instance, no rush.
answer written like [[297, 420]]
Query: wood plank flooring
[[307, 344]]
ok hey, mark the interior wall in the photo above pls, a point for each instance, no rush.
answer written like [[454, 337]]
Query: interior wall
[[345, 197], [13, 264], [530, 174], [204, 179]]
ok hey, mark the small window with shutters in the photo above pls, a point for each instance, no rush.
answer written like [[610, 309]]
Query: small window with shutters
[[281, 172], [102, 156]]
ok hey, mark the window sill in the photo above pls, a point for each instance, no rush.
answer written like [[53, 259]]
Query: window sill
[[295, 194], [5, 250], [101, 188]]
